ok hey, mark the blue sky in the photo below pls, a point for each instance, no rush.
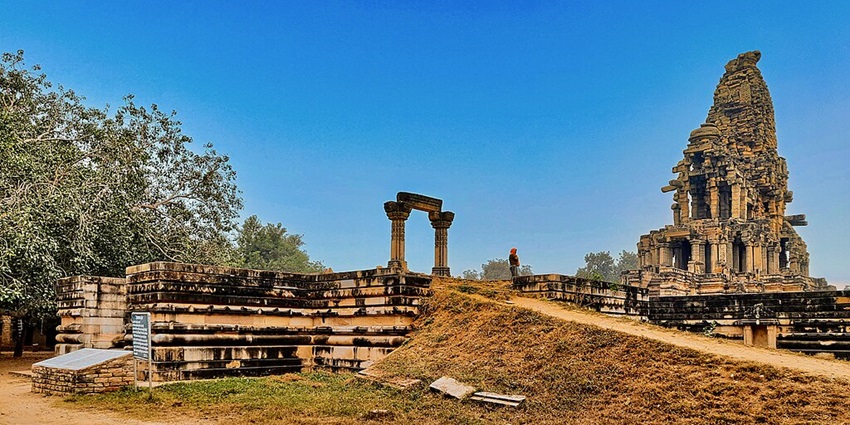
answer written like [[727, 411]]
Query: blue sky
[[549, 126]]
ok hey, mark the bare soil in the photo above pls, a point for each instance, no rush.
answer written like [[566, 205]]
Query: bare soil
[[20, 406]]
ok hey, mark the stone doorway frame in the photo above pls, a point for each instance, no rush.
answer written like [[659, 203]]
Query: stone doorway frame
[[399, 210]]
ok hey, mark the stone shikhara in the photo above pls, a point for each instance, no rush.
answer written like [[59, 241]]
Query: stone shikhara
[[730, 233]]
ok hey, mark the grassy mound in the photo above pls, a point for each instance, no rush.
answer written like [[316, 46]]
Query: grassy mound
[[574, 373]]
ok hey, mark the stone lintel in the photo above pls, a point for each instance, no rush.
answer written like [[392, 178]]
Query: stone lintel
[[678, 234], [420, 202]]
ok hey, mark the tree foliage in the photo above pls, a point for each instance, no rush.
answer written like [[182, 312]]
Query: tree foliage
[[86, 191], [601, 266], [496, 269], [269, 247]]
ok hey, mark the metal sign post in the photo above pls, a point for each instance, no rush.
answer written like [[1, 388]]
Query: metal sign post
[[142, 345]]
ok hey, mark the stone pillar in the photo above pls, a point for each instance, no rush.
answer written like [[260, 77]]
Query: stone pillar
[[441, 221], [696, 257], [714, 200], [774, 262], [715, 257], [684, 206], [736, 202], [664, 256], [397, 212]]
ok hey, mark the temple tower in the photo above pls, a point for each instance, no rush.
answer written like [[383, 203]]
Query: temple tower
[[729, 232]]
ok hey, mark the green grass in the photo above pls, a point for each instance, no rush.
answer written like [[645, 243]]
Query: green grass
[[316, 397]]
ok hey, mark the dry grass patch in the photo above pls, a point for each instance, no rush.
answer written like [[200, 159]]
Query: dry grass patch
[[581, 374]]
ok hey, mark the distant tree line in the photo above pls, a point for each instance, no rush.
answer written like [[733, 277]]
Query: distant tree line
[[495, 269], [601, 266], [598, 266], [92, 191]]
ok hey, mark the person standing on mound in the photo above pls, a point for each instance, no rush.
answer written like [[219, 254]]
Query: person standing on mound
[[513, 259]]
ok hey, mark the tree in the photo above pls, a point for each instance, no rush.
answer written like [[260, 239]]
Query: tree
[[471, 274], [627, 261], [269, 247], [496, 269], [601, 266], [83, 191]]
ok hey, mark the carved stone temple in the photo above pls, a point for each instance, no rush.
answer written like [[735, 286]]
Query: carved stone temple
[[730, 232]]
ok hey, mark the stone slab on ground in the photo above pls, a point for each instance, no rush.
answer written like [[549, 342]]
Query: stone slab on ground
[[81, 359], [452, 387], [500, 399]]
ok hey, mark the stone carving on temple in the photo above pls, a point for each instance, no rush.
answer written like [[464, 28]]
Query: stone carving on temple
[[729, 232]]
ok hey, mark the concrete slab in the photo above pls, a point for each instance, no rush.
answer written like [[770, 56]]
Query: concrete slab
[[81, 359]]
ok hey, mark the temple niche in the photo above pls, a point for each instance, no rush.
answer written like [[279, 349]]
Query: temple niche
[[729, 232]]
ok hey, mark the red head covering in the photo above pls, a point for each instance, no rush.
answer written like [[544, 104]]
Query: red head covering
[[513, 250]]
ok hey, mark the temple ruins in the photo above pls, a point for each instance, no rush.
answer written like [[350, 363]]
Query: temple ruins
[[399, 210], [730, 233], [209, 321]]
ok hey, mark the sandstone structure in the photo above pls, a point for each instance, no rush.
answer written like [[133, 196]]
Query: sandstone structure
[[730, 232], [399, 210], [209, 321], [92, 311]]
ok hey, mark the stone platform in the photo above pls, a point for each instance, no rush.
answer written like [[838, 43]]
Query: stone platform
[[211, 321]]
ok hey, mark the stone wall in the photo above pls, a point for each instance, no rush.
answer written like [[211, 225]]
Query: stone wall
[[217, 321], [111, 375], [810, 322], [605, 297], [92, 310]]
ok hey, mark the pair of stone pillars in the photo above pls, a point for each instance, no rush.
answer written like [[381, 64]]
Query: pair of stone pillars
[[398, 211]]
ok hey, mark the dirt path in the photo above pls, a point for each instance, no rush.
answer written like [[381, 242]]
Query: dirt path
[[19, 406], [779, 358]]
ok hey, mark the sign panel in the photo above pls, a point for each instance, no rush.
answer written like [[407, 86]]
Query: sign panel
[[141, 335]]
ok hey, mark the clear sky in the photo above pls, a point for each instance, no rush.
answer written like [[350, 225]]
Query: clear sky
[[548, 126]]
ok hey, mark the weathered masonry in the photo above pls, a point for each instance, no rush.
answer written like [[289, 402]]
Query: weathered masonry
[[730, 233], [810, 322], [399, 210], [216, 321]]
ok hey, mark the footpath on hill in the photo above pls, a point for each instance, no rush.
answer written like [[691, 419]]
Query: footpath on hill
[[735, 350]]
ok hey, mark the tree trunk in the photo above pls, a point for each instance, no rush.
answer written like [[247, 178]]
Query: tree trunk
[[18, 333]]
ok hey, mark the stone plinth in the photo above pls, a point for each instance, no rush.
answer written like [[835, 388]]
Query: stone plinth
[[92, 311], [217, 321]]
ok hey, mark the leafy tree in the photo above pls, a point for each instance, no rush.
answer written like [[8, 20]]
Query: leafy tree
[[471, 274], [86, 191], [601, 266], [269, 247], [627, 261], [496, 269]]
